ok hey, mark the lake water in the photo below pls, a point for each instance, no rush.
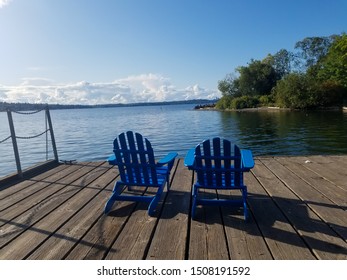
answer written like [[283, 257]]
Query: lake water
[[87, 134]]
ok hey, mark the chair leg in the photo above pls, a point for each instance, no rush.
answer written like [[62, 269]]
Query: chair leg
[[153, 205], [117, 190], [244, 197], [154, 202], [245, 211], [109, 203], [194, 196], [168, 183]]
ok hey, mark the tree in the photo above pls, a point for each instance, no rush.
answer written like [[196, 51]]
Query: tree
[[302, 91], [292, 92], [314, 76], [258, 78], [229, 86], [225, 102], [334, 65], [312, 50], [281, 61]]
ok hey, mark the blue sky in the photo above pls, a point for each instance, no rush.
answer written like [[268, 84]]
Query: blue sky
[[110, 51]]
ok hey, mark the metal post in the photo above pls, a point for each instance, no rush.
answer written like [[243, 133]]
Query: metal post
[[14, 143], [52, 134]]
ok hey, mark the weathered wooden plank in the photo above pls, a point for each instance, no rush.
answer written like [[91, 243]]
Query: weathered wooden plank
[[98, 240], [19, 202], [327, 188], [244, 238], [33, 187], [43, 229], [40, 168], [341, 159], [281, 238], [321, 205], [133, 240], [23, 185], [27, 220], [320, 238], [326, 167], [336, 162], [170, 238], [207, 237], [64, 239], [107, 230], [36, 203], [61, 217]]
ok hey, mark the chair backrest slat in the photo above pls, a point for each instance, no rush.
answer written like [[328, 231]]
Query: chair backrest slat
[[208, 161], [228, 163], [151, 162], [217, 161], [143, 157], [238, 174]]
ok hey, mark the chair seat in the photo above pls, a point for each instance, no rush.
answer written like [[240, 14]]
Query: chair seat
[[221, 186], [162, 173]]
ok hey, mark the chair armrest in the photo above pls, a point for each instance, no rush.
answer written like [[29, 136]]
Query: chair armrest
[[167, 159], [247, 159], [112, 160], [189, 159]]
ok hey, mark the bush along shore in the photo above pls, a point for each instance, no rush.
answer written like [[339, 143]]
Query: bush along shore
[[213, 107], [313, 76]]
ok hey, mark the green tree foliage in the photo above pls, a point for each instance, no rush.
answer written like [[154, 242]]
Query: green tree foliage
[[334, 65], [225, 102], [244, 102], [229, 86], [313, 49], [281, 62], [314, 76], [293, 92], [258, 78], [301, 91]]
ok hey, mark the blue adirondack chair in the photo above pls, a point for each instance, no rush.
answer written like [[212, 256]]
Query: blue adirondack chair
[[219, 165], [136, 163]]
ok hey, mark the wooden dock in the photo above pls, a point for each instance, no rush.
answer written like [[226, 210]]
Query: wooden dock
[[297, 211]]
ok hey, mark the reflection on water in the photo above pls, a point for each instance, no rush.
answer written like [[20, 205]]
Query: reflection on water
[[87, 134], [288, 133]]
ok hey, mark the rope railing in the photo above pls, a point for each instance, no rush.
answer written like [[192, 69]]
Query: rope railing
[[49, 128], [31, 137], [27, 112], [4, 140]]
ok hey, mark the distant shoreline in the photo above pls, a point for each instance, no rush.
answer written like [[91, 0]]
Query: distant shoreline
[[32, 106]]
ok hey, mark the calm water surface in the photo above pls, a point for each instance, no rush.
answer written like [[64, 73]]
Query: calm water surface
[[87, 134]]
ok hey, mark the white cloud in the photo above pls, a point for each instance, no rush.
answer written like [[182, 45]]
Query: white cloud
[[3, 3], [37, 81], [133, 89]]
